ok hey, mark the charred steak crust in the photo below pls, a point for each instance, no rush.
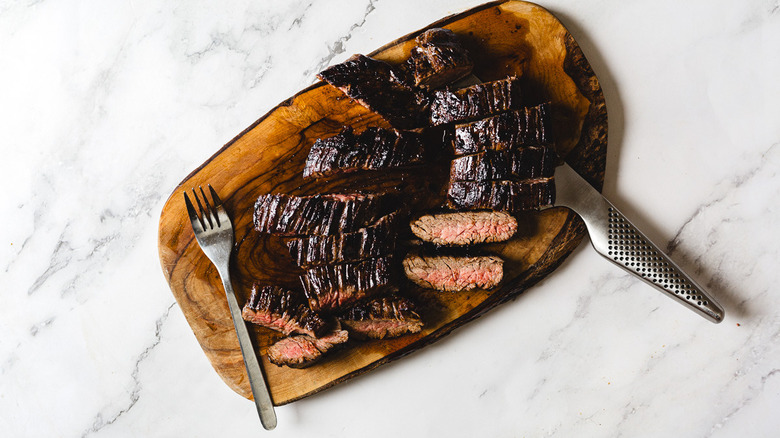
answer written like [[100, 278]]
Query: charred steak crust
[[529, 126], [517, 164], [373, 149], [384, 317], [454, 274], [510, 196], [289, 215], [438, 59], [333, 287], [377, 86], [475, 102], [464, 228], [282, 310], [374, 241], [303, 350]]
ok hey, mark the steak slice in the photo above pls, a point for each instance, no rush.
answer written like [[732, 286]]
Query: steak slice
[[438, 59], [282, 310], [303, 350], [454, 274], [318, 215], [334, 287], [380, 318], [373, 149], [510, 196], [374, 241], [377, 86], [525, 163], [526, 126], [465, 228], [475, 102]]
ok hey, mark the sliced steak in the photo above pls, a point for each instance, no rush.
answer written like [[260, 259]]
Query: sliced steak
[[377, 86], [438, 59], [303, 350], [374, 241], [528, 126], [475, 102], [385, 317], [334, 287], [465, 228], [373, 149], [319, 214], [282, 310], [453, 274], [510, 196], [525, 163]]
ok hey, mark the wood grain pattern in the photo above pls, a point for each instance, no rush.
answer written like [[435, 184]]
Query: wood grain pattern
[[505, 38]]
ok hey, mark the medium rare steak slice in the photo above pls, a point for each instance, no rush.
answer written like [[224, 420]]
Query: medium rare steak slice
[[525, 163], [380, 318], [377, 86], [319, 214], [453, 274], [438, 59], [303, 350], [510, 196], [523, 127], [334, 287], [475, 102], [465, 228], [282, 310], [373, 149], [374, 241]]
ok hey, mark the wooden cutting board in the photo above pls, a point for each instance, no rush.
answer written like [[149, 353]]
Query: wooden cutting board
[[505, 38]]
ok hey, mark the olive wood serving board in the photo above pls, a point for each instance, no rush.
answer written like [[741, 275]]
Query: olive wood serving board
[[505, 38]]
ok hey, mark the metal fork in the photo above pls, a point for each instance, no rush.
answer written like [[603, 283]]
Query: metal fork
[[214, 233]]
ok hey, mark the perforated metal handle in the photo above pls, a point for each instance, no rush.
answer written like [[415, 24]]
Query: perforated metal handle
[[617, 239]]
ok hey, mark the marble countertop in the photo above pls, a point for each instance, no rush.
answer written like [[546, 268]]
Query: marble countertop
[[106, 106]]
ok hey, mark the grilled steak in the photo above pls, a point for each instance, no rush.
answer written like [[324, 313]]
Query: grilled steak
[[511, 196], [282, 310], [453, 274], [373, 241], [333, 287], [438, 59], [303, 350], [377, 86], [465, 228], [526, 126], [319, 214], [373, 149], [385, 317], [475, 102], [525, 163]]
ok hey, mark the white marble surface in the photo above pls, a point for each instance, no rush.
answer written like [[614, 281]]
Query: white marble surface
[[106, 106]]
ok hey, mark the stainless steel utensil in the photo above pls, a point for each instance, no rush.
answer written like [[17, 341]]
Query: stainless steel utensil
[[214, 232], [617, 239]]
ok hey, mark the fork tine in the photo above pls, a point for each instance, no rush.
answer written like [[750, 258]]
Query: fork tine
[[210, 206], [205, 215], [221, 213], [197, 222], [215, 197]]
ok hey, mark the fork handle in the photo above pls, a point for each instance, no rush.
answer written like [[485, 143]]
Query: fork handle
[[265, 407], [618, 240]]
